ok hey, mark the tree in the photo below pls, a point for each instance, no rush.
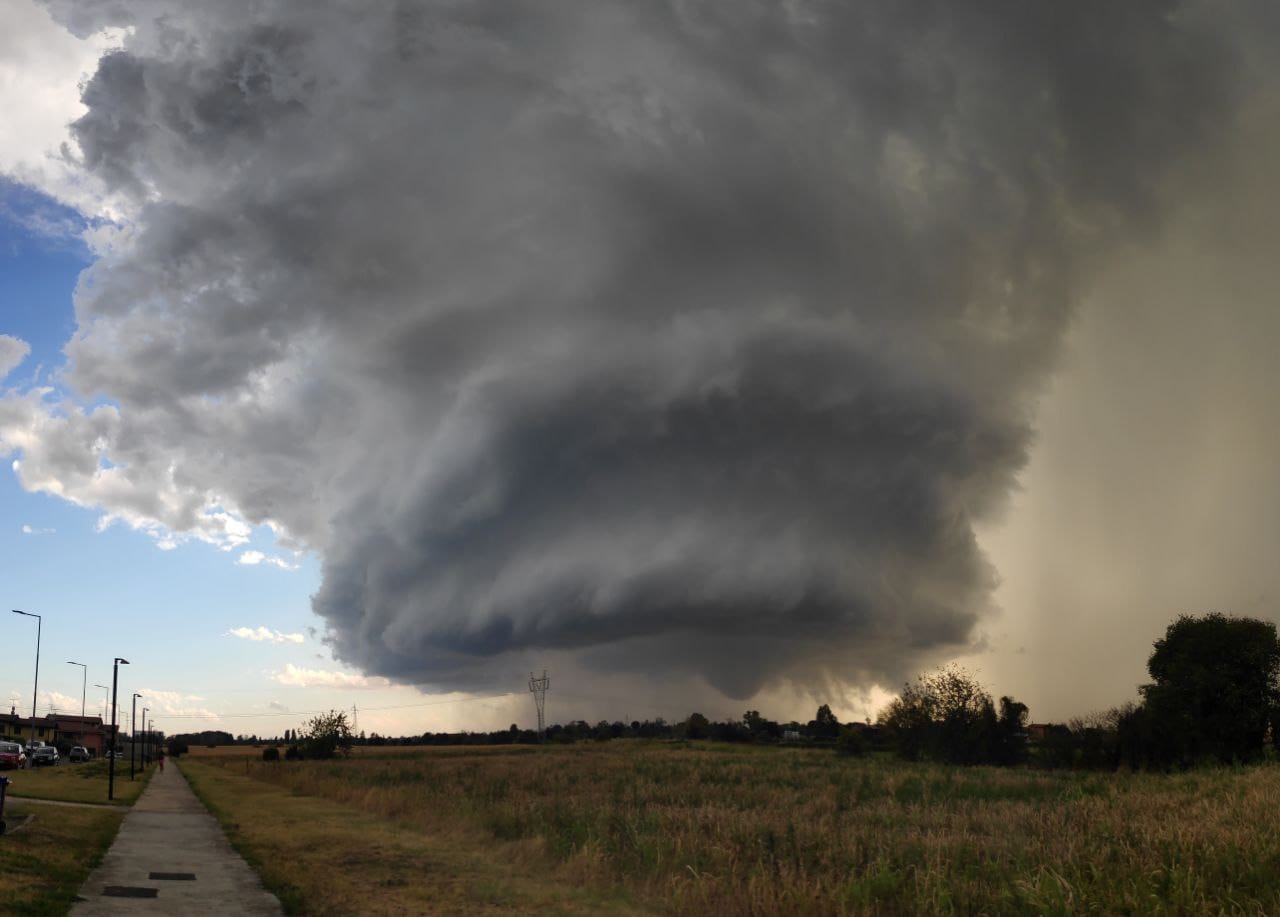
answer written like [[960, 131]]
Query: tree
[[327, 735], [696, 726], [948, 716], [1215, 681], [824, 724], [1011, 733]]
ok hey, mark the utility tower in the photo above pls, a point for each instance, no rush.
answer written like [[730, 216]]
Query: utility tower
[[538, 687]]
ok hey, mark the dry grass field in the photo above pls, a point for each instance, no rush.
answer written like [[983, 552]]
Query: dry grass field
[[672, 828], [43, 864], [77, 783]]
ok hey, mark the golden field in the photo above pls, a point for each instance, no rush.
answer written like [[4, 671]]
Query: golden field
[[634, 826]]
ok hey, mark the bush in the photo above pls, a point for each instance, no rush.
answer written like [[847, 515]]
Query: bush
[[327, 735], [177, 748], [851, 742], [293, 753], [270, 753]]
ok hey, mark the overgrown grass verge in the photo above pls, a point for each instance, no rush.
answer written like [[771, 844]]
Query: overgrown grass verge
[[43, 866], [320, 856], [712, 828], [78, 783]]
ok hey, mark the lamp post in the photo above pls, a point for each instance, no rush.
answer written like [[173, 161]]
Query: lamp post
[[84, 683], [111, 763], [144, 736], [35, 685], [106, 693], [133, 730]]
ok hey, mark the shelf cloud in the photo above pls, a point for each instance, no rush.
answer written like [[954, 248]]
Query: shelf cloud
[[686, 338]]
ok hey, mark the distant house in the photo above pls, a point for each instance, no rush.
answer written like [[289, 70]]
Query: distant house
[[1037, 732], [791, 735], [88, 731]]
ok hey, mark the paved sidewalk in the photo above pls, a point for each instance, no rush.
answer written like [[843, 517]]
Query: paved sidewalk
[[171, 857]]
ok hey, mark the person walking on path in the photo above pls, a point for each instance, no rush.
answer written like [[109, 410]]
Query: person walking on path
[[160, 758]]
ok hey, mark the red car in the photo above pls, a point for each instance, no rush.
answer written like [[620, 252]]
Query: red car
[[11, 755]]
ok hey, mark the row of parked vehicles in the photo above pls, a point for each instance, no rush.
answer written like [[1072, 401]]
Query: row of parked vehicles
[[15, 754]]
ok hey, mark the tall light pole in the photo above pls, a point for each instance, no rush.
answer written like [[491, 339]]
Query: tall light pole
[[133, 729], [106, 694], [84, 683], [35, 685], [144, 736], [111, 763]]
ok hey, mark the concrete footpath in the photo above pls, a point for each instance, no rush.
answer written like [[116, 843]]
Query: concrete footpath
[[171, 857]]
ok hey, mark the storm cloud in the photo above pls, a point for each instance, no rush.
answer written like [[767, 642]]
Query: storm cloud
[[672, 337]]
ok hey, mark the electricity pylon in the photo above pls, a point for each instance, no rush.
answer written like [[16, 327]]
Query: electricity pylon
[[538, 687]]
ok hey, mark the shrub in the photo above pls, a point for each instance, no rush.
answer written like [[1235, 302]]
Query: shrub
[[327, 735], [851, 742], [293, 753], [270, 753]]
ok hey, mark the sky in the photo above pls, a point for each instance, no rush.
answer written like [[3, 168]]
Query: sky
[[708, 357]]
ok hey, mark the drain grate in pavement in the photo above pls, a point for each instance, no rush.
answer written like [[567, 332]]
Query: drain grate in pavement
[[129, 891], [174, 876]]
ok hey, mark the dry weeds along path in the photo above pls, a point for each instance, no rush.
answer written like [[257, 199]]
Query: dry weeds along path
[[171, 857]]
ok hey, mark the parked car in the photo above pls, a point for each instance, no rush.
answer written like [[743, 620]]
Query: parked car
[[78, 753], [12, 755], [45, 754]]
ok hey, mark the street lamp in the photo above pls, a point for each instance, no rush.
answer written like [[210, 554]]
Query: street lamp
[[106, 694], [84, 680], [144, 736], [111, 764], [133, 729], [35, 685]]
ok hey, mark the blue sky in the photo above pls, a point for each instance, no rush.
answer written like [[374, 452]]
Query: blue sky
[[112, 592]]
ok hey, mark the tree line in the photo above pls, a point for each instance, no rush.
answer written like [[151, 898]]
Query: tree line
[[1214, 697]]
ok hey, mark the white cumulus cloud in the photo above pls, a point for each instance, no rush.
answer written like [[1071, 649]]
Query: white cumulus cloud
[[173, 703], [42, 67], [326, 678], [264, 635], [255, 558], [12, 352]]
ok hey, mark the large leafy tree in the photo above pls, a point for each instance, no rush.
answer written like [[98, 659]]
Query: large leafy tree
[[948, 716], [1214, 687]]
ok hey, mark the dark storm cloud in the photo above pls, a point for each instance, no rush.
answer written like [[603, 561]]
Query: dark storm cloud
[[675, 336]]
